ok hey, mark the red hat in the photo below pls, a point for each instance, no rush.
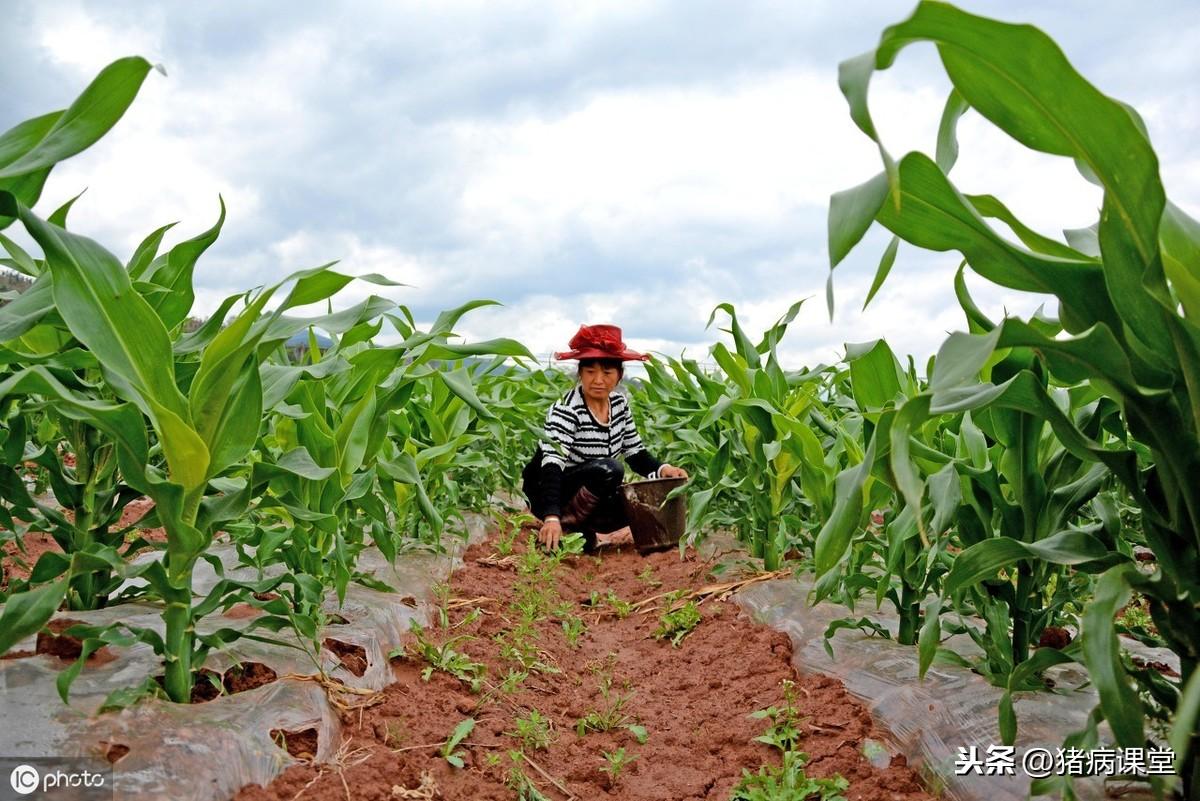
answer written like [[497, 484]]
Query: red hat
[[600, 342]]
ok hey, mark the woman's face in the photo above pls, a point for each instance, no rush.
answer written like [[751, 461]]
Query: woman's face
[[598, 380]]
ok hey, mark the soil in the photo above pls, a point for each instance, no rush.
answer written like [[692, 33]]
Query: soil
[[352, 657], [248, 676], [52, 641], [237, 679], [694, 701], [1054, 637]]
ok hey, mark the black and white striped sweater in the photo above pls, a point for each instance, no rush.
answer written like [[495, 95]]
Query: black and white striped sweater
[[574, 436]]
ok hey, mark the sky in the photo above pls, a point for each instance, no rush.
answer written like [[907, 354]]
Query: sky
[[633, 163]]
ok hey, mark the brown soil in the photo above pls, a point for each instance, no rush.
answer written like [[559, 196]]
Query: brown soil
[[16, 564], [1054, 637], [352, 657], [247, 676], [694, 701], [113, 752], [53, 642], [300, 744], [239, 678]]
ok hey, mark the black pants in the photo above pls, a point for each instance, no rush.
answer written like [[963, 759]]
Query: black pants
[[601, 477]]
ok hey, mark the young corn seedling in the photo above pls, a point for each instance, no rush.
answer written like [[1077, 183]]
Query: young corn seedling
[[460, 733]]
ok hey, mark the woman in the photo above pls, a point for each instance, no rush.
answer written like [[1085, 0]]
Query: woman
[[574, 480]]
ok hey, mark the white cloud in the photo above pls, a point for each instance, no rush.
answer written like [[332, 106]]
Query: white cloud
[[580, 163]]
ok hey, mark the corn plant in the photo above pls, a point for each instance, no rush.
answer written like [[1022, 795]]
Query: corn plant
[[1128, 301]]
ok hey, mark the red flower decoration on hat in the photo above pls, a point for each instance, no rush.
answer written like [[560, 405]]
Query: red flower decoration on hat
[[600, 342]]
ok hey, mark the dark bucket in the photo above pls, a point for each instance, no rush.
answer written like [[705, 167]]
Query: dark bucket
[[655, 527]]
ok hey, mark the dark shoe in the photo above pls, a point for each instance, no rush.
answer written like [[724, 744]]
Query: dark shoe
[[582, 505]]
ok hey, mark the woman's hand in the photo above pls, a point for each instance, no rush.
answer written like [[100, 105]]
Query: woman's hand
[[671, 471], [550, 533]]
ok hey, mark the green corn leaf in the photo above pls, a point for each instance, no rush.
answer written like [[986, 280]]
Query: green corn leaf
[[851, 213], [930, 636], [144, 253], [446, 321], [1121, 705], [352, 434], [459, 382], [874, 374], [744, 346], [1008, 719], [93, 294], [989, 206], [977, 321], [26, 612], [404, 470], [59, 216], [1180, 239], [834, 536], [1187, 713], [947, 140], [936, 217], [173, 272], [91, 116], [885, 266], [28, 309], [238, 425], [985, 559], [22, 138]]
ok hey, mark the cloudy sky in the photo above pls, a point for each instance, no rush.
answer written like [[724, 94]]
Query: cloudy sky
[[609, 161]]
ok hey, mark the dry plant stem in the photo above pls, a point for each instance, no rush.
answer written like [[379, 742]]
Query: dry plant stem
[[311, 782], [562, 789], [427, 790], [335, 689], [725, 589], [458, 603]]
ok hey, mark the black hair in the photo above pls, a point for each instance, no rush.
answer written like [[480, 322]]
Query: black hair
[[616, 364]]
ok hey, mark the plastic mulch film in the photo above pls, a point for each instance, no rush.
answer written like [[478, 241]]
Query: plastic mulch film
[[207, 751], [929, 720]]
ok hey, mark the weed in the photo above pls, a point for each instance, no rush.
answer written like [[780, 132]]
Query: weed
[[512, 680], [394, 734], [573, 627], [510, 527], [647, 578], [610, 716], [784, 732], [441, 591], [677, 624], [533, 730], [520, 783], [444, 657], [464, 728], [615, 763], [620, 608], [788, 782]]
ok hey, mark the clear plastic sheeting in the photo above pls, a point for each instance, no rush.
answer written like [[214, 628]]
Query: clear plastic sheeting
[[928, 720], [208, 751]]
